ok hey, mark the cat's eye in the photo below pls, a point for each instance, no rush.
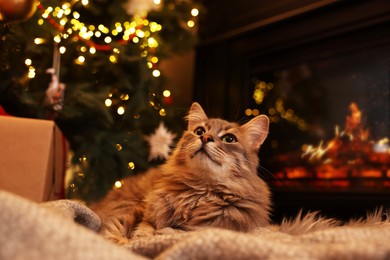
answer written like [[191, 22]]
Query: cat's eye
[[199, 131], [229, 138]]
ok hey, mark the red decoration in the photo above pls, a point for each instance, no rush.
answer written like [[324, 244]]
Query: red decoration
[[2, 112], [168, 100]]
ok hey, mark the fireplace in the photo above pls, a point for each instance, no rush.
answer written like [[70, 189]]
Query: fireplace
[[321, 72], [330, 123]]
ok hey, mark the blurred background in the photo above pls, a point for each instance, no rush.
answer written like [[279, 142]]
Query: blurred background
[[109, 72]]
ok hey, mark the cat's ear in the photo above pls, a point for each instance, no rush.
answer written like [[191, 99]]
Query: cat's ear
[[256, 130], [196, 115]]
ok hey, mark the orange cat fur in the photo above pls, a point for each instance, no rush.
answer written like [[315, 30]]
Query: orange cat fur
[[210, 180]]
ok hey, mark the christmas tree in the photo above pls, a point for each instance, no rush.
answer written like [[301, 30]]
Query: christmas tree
[[93, 67]]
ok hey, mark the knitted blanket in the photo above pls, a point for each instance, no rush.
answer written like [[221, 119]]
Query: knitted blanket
[[66, 229]]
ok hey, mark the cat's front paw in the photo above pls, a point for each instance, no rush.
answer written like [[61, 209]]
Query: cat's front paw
[[143, 230], [168, 230], [141, 234], [114, 237]]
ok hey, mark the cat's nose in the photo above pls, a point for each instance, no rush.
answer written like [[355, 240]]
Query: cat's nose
[[206, 138]]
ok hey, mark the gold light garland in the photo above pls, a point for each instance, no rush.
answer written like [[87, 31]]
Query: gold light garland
[[278, 111], [138, 31]]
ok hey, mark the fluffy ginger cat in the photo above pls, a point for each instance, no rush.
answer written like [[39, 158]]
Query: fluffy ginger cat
[[210, 180]]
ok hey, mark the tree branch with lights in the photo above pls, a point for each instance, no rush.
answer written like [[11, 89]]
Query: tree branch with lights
[[93, 67]]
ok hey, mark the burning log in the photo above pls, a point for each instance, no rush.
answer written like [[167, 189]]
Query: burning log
[[349, 158], [350, 147]]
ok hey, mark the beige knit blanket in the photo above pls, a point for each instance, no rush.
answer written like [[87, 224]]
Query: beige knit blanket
[[66, 230]]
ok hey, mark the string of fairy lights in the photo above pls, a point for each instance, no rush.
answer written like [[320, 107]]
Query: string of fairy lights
[[276, 112], [92, 38]]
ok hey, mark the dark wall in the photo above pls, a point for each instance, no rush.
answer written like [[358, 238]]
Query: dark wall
[[240, 39]]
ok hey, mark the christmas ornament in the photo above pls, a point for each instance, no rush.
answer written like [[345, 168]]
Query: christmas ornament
[[54, 95], [17, 10], [160, 143], [55, 92]]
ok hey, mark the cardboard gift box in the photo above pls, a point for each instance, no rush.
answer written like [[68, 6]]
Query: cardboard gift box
[[32, 158]]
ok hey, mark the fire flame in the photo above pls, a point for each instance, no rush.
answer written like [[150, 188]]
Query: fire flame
[[351, 146]]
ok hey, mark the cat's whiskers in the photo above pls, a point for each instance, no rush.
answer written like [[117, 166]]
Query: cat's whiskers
[[261, 168], [249, 162], [217, 151], [245, 162], [242, 121], [269, 172], [193, 146], [238, 166]]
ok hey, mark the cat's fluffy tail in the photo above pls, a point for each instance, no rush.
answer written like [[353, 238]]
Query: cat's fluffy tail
[[305, 223], [313, 221]]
